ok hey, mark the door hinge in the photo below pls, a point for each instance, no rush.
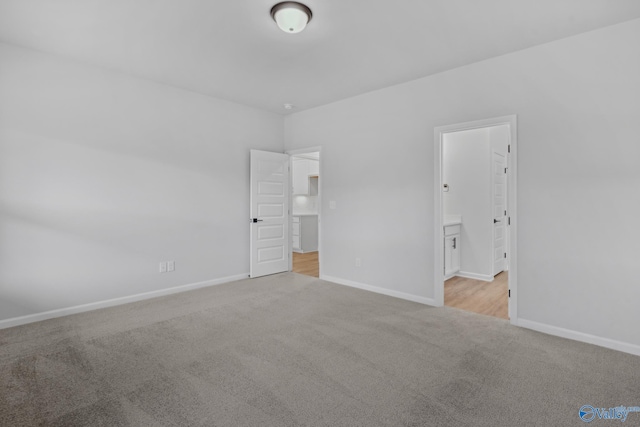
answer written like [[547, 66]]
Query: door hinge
[[505, 213], [505, 254], [509, 293], [509, 221], [505, 170], [509, 148]]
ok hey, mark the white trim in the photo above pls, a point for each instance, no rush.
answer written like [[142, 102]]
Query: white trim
[[580, 336], [377, 290], [438, 232], [317, 148], [475, 276], [300, 251], [438, 223], [23, 320]]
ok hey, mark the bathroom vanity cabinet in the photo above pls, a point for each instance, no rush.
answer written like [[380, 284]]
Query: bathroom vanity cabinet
[[304, 233], [451, 250]]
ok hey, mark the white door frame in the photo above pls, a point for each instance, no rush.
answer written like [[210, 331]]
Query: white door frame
[[292, 153], [438, 231]]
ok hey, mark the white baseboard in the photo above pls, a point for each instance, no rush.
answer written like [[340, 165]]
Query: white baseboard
[[580, 336], [383, 291], [476, 276], [17, 321]]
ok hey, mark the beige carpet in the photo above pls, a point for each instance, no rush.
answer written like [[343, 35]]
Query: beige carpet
[[291, 350]]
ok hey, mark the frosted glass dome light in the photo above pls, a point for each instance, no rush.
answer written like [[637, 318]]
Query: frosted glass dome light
[[292, 17]]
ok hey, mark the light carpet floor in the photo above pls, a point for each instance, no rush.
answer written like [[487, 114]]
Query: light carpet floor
[[292, 350]]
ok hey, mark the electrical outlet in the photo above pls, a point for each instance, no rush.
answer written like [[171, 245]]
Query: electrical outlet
[[171, 265], [358, 262], [163, 267]]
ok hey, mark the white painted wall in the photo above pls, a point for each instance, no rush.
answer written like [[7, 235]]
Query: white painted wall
[[466, 168], [577, 101], [103, 175]]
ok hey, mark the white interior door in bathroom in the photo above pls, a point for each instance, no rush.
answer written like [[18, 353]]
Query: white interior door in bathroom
[[499, 205]]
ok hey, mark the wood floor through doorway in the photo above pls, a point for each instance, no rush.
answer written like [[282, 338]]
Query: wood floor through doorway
[[307, 264], [489, 298]]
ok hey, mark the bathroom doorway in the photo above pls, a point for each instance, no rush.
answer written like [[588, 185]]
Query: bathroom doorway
[[305, 211], [474, 217]]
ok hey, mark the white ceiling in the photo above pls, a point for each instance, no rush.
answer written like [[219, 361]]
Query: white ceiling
[[232, 49]]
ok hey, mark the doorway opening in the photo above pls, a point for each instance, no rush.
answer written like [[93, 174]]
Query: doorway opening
[[475, 217], [305, 211]]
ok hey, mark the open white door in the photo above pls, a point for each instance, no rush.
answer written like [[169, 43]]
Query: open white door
[[498, 181], [269, 200]]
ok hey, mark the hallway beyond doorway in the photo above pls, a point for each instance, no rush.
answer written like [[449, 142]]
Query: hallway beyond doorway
[[489, 298], [307, 264]]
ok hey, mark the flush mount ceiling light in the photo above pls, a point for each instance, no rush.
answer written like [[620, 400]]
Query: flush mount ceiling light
[[291, 16]]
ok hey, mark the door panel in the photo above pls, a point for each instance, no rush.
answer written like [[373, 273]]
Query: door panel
[[269, 201], [499, 200], [268, 232]]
